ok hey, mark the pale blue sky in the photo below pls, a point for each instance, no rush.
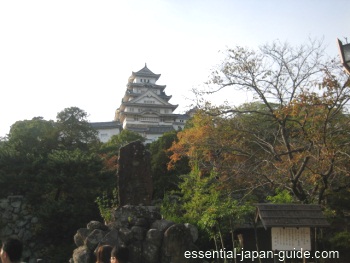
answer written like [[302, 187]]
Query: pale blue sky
[[57, 54]]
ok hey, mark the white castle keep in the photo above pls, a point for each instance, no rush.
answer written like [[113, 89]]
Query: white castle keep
[[144, 109]]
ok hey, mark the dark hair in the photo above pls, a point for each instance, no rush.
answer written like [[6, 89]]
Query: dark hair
[[13, 247], [121, 254], [104, 254]]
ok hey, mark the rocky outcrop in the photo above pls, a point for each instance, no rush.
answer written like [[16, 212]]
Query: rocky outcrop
[[135, 224], [134, 175], [149, 238]]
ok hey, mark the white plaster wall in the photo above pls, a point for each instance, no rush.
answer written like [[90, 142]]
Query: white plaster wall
[[152, 137], [105, 134], [177, 125]]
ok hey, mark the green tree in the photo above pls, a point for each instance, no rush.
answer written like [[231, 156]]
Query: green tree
[[23, 154], [113, 145], [204, 201], [281, 197], [75, 130], [70, 187], [212, 144], [36, 136], [56, 166], [165, 180]]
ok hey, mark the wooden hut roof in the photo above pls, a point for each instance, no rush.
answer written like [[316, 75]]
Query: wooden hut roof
[[291, 215]]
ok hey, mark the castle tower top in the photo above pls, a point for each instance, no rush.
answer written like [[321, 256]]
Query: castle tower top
[[144, 73]]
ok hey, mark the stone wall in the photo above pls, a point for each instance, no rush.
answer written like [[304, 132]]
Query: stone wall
[[148, 238], [16, 220]]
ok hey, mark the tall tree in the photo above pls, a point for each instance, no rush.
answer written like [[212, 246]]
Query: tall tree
[[291, 143], [23, 154], [295, 136], [165, 180], [56, 166], [75, 130]]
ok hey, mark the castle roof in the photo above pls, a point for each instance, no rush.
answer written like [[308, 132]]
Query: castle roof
[[147, 85], [130, 92], [144, 72], [152, 129], [105, 125]]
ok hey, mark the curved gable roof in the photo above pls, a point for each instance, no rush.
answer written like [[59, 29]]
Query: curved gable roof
[[144, 72], [150, 94]]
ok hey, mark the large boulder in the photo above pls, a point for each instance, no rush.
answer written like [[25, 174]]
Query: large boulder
[[131, 215], [94, 238], [111, 238], [140, 229], [162, 225], [92, 225], [177, 240], [154, 236], [193, 231], [80, 236], [151, 252], [82, 255]]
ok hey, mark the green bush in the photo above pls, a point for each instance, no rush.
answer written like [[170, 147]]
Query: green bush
[[106, 203], [341, 241]]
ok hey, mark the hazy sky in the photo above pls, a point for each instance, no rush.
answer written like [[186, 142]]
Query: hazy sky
[[58, 54]]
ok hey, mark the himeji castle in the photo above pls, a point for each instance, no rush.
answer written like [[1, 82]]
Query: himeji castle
[[144, 109]]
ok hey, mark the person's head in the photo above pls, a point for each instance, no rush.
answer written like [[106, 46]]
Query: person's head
[[11, 250], [119, 255], [103, 254]]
